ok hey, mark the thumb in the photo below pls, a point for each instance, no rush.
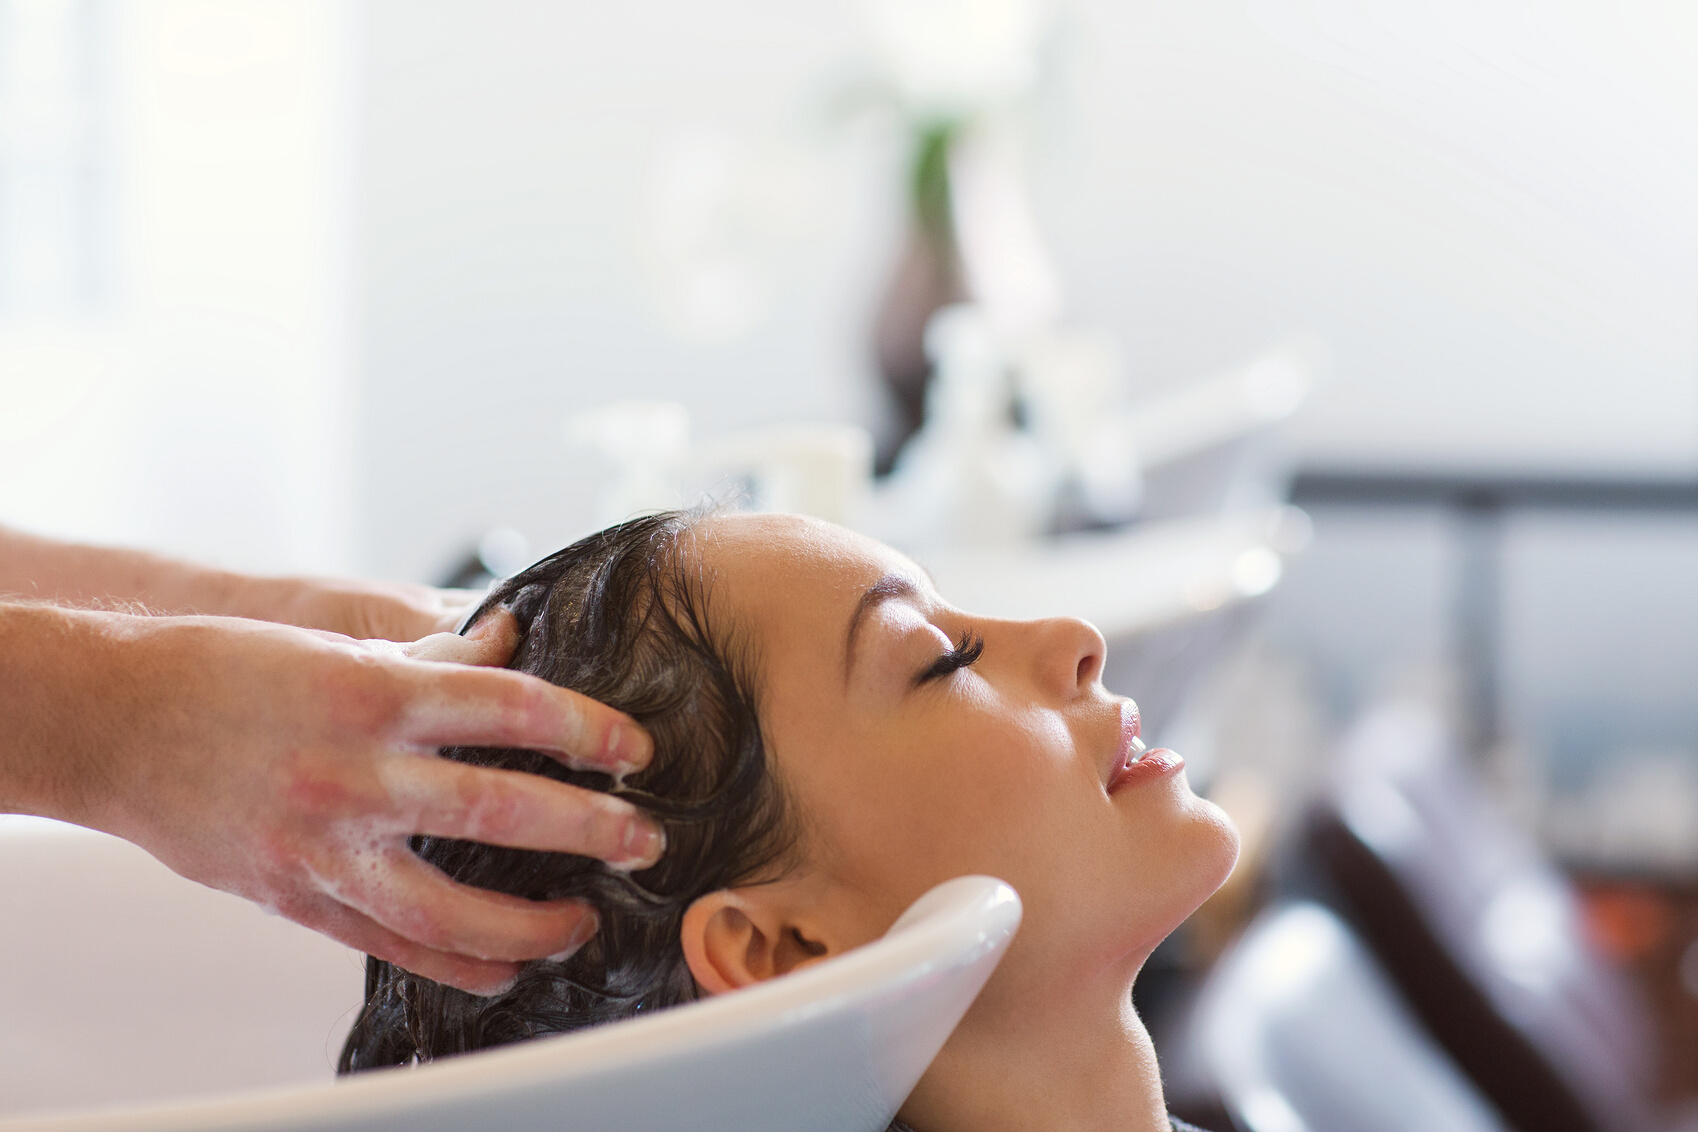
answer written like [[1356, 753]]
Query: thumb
[[490, 642]]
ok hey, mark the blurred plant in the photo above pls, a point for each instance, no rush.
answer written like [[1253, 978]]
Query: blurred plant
[[952, 70], [928, 277]]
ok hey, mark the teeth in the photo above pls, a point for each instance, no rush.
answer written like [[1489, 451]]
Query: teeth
[[1138, 750]]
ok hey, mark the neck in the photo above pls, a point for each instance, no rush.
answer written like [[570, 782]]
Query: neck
[[1093, 1069]]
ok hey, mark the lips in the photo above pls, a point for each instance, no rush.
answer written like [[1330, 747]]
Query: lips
[[1134, 763]]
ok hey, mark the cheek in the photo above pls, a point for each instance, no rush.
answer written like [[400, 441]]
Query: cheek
[[993, 795]]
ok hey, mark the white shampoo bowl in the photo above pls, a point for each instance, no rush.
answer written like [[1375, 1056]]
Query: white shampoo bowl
[[836, 1046]]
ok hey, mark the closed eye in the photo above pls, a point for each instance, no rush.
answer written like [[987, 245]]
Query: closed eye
[[963, 655]]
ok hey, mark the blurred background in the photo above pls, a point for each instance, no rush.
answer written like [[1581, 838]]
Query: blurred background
[[1339, 359]]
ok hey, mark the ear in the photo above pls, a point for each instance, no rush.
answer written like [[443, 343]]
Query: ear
[[735, 938]]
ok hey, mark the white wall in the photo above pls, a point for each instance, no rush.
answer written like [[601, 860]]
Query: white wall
[[1486, 206], [201, 405]]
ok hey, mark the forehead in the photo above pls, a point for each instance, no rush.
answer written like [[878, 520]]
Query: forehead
[[791, 578]]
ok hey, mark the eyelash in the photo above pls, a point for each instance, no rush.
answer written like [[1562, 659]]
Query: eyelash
[[963, 655]]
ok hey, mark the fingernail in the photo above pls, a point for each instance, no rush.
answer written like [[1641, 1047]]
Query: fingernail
[[499, 989], [624, 744], [582, 934], [644, 843]]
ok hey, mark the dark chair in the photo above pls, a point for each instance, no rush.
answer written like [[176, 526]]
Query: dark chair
[[1480, 932], [1297, 1030]]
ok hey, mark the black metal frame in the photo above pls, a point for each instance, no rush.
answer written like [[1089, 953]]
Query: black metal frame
[[1478, 504]]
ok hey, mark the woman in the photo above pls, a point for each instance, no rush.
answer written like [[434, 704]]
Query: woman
[[831, 740]]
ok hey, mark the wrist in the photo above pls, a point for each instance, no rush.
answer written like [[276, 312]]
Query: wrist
[[263, 598], [57, 679]]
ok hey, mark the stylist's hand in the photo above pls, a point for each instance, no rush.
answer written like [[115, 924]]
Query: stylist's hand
[[365, 610], [290, 766]]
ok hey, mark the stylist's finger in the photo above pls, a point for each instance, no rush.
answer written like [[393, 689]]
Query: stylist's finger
[[450, 705], [503, 807], [420, 903], [453, 606], [489, 643], [326, 914]]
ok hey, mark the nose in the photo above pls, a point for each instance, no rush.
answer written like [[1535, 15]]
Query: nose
[[1070, 655]]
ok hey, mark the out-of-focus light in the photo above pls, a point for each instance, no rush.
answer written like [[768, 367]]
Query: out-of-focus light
[[1256, 571], [1380, 816], [951, 57], [1266, 1110], [1528, 930], [1304, 944]]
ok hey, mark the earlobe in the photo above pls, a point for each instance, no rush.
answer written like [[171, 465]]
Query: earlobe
[[732, 940]]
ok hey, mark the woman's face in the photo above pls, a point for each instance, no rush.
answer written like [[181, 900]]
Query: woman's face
[[910, 767]]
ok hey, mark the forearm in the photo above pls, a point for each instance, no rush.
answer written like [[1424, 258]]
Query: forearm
[[43, 569], [58, 701], [47, 570]]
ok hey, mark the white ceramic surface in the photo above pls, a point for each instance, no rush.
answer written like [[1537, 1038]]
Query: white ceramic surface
[[1126, 582], [833, 1047], [123, 983]]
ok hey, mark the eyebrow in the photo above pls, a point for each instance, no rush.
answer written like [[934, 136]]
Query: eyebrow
[[888, 587]]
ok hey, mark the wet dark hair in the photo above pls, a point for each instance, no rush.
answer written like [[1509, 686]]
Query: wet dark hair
[[621, 617]]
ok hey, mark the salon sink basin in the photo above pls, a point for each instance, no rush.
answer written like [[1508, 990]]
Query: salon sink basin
[[123, 983], [835, 1047]]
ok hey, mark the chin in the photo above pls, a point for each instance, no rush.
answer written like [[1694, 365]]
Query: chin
[[1218, 842], [1198, 847], [1205, 853]]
